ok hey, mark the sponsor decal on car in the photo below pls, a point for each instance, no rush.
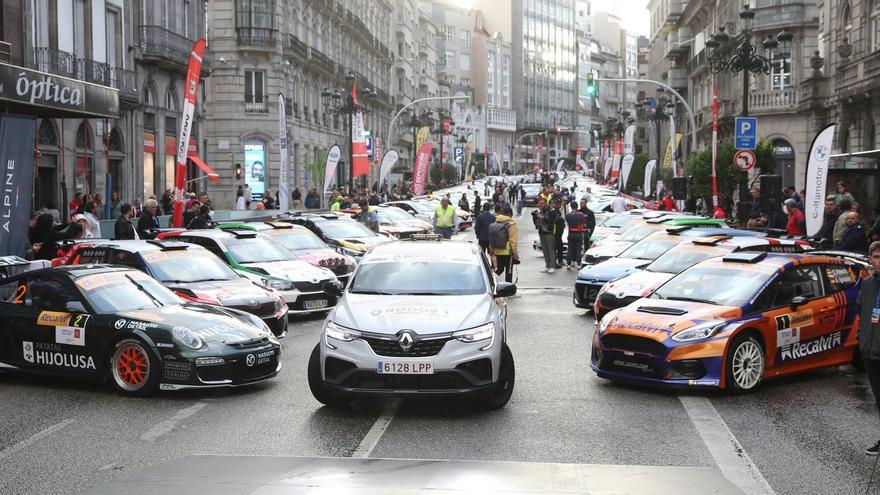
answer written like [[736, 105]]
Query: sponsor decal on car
[[53, 318], [810, 347], [36, 355], [410, 308], [134, 324], [710, 383], [641, 326], [70, 336], [788, 326]]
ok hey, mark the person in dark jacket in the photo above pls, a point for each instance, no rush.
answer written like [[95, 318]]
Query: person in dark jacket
[[123, 229], [869, 328], [148, 220], [591, 223], [478, 202], [577, 225], [46, 236], [854, 238], [826, 234], [481, 226], [560, 230], [202, 220]]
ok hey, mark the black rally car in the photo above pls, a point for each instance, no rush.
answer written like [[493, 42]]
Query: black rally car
[[117, 323]]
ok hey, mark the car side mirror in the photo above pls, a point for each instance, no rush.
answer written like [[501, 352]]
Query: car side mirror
[[798, 301], [75, 307], [505, 289], [333, 288]]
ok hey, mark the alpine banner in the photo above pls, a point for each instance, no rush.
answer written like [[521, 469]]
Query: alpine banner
[[649, 172], [626, 167], [817, 179], [17, 162], [360, 161], [420, 174], [283, 186], [333, 155], [629, 136], [388, 162], [191, 89]]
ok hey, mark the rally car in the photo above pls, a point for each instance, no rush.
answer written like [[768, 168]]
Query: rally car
[[118, 324], [192, 272], [417, 209], [640, 283], [304, 244], [733, 321], [394, 221], [611, 248], [266, 262], [419, 317], [345, 235]]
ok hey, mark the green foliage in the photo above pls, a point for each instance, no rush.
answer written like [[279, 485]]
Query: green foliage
[[317, 167], [700, 167]]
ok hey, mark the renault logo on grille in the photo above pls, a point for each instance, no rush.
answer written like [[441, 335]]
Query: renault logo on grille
[[405, 341]]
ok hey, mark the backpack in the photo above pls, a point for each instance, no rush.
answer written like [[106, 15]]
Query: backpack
[[499, 234]]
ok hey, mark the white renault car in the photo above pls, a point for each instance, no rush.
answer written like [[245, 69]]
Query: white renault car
[[420, 317]]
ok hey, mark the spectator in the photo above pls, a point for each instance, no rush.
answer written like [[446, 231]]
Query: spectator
[[46, 237], [202, 220], [248, 197], [269, 200], [507, 256], [826, 235], [191, 212], [463, 203], [369, 218], [618, 204], [854, 238], [148, 221], [444, 218], [136, 207], [167, 202], [869, 329], [560, 232], [481, 226], [843, 206], [577, 226], [591, 222], [123, 229], [74, 205], [239, 199], [337, 204], [796, 221], [374, 199], [84, 231], [477, 202], [52, 209], [755, 209], [547, 219], [874, 234], [842, 194], [91, 216], [115, 206], [205, 200]]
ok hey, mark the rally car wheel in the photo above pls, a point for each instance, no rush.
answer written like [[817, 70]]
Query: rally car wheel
[[316, 382], [498, 396], [745, 364], [132, 368]]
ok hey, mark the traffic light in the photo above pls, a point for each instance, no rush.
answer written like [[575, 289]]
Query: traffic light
[[237, 171], [592, 87]]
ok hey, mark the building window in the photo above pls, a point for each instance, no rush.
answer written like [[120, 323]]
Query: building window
[[464, 38], [465, 61], [780, 70], [449, 33], [255, 21], [254, 91], [846, 21], [465, 82], [450, 58], [873, 25], [170, 100]]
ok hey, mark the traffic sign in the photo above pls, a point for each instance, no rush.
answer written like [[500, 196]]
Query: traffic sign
[[745, 160], [459, 154], [746, 133]]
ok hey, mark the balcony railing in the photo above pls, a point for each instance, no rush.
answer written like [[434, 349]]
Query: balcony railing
[[256, 107], [295, 46], [66, 64], [252, 36], [169, 46], [126, 82], [501, 119], [784, 100]]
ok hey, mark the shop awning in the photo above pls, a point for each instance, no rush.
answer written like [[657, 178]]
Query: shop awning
[[212, 176], [38, 93]]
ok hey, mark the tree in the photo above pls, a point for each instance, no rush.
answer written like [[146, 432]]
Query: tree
[[700, 168]]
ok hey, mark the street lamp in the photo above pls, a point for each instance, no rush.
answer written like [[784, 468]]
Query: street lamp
[[443, 128], [339, 101]]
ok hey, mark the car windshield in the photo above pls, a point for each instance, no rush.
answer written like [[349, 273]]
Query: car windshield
[[187, 266], [298, 241], [255, 250], [394, 214], [725, 286], [679, 260], [428, 277], [344, 229], [120, 291], [638, 233], [649, 249]]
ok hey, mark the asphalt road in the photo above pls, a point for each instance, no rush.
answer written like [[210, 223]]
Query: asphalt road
[[797, 435]]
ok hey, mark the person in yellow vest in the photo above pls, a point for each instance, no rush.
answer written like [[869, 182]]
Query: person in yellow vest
[[336, 204], [503, 240], [444, 219]]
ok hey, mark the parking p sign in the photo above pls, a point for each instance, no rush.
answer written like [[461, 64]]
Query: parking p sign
[[746, 133]]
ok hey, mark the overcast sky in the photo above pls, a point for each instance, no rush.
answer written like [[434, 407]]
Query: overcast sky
[[633, 12]]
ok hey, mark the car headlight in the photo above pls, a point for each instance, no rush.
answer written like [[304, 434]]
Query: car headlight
[[699, 332], [187, 337], [259, 323], [477, 334], [337, 332], [603, 325], [278, 284]]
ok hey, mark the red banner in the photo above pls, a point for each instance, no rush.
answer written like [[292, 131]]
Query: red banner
[[360, 161], [190, 94], [420, 173]]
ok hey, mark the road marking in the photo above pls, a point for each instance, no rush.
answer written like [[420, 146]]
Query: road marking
[[371, 439], [169, 424], [27, 442], [730, 456]]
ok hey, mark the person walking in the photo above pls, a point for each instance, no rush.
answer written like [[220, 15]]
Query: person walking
[[591, 222], [123, 229], [148, 221], [444, 218], [481, 227], [547, 231], [503, 239], [868, 303], [577, 225]]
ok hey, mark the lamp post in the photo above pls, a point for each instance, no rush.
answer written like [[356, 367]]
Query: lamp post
[[339, 101], [445, 124]]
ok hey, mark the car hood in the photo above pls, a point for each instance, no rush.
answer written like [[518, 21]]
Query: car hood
[[294, 270], [399, 228], [611, 269], [415, 223], [639, 283], [325, 258], [658, 319], [608, 249], [213, 323], [361, 243], [229, 292], [422, 314]]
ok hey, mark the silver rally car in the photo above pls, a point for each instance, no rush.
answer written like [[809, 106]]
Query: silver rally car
[[420, 317]]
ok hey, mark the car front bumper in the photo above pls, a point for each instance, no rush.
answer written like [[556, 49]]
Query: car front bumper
[[307, 302], [586, 291], [237, 369]]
